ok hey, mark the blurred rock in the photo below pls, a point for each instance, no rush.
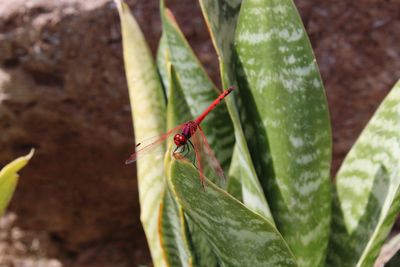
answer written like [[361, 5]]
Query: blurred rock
[[63, 92]]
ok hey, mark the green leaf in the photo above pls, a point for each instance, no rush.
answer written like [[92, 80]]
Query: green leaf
[[148, 112], [367, 192], [178, 112], [289, 132], [173, 233], [9, 179], [238, 236], [199, 91], [234, 186], [221, 19], [163, 62]]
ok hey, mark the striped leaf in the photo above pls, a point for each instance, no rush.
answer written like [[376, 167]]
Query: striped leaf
[[178, 109], [367, 192], [148, 112], [163, 62], [173, 228], [289, 132], [221, 19], [9, 179], [234, 186], [238, 236], [173, 233], [178, 112], [198, 90]]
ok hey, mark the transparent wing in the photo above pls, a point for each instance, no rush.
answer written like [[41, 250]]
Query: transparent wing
[[148, 145], [198, 150], [205, 157], [211, 158]]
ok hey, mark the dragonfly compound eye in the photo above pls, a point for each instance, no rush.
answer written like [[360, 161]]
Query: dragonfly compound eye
[[179, 140]]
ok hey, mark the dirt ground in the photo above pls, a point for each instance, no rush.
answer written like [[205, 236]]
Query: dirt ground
[[356, 44]]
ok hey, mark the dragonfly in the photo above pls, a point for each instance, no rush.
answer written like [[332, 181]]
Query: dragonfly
[[184, 134]]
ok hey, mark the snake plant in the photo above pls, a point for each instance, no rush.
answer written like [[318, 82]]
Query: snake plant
[[279, 206], [9, 179]]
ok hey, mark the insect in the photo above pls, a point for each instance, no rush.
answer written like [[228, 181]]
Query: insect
[[184, 135]]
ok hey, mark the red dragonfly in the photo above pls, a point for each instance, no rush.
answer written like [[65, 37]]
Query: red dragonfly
[[182, 139]]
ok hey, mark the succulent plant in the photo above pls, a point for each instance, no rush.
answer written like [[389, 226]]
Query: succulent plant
[[9, 179], [279, 206]]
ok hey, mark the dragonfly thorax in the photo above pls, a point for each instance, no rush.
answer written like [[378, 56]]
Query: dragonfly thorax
[[180, 139]]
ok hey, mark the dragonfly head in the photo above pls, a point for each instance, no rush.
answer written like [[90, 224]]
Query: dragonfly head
[[180, 139]]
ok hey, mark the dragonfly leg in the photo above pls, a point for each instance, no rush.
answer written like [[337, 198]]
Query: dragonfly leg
[[176, 153], [187, 151], [182, 153], [194, 154]]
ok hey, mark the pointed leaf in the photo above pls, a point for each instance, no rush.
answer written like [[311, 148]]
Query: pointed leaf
[[9, 179], [173, 233], [163, 62], [234, 186], [178, 112], [367, 193], [148, 112], [178, 109], [283, 94], [221, 19], [199, 91], [238, 236]]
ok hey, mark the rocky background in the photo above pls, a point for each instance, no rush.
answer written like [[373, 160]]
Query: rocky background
[[63, 92]]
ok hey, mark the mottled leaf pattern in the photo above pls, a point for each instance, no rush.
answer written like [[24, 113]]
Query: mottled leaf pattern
[[173, 233], [234, 186], [178, 108], [198, 89], [367, 195], [221, 19], [163, 62], [148, 112], [9, 179], [238, 236], [172, 224], [283, 94], [282, 153], [178, 112]]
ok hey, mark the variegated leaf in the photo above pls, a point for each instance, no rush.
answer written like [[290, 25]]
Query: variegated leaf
[[289, 131], [198, 90], [221, 19], [163, 62], [9, 179], [238, 236], [173, 233], [172, 226], [234, 186], [178, 112], [148, 112], [367, 192]]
